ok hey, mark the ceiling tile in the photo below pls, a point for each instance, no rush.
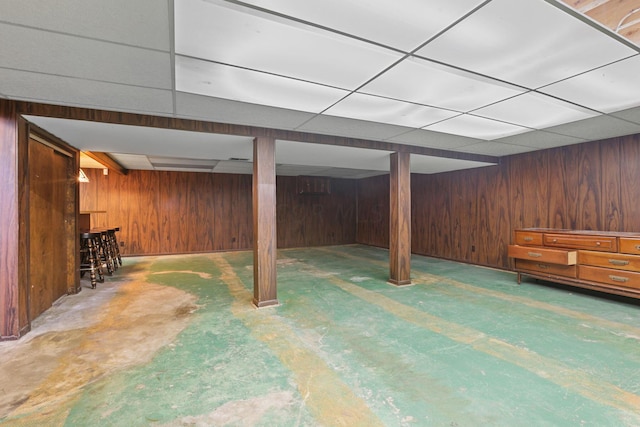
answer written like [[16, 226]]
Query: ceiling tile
[[406, 23], [540, 140], [106, 137], [607, 89], [497, 149], [600, 127], [84, 93], [201, 107], [431, 139], [299, 153], [222, 81], [428, 83], [140, 23], [79, 57], [513, 41], [352, 128], [232, 166], [430, 164], [384, 110], [132, 161], [632, 115], [222, 32], [476, 127], [534, 110]]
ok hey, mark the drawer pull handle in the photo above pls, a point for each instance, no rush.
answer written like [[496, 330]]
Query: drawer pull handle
[[618, 278], [555, 241], [638, 247], [597, 243], [543, 266], [618, 262], [530, 239], [534, 254]]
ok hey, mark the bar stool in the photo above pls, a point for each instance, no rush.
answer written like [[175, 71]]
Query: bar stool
[[114, 244], [105, 252], [90, 257]]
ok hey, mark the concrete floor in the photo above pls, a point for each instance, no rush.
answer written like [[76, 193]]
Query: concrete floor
[[174, 341]]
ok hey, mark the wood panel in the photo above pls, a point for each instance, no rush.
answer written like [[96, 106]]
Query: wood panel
[[629, 177], [610, 184], [563, 188], [203, 212], [529, 178], [316, 219], [590, 188], [373, 211], [12, 316]]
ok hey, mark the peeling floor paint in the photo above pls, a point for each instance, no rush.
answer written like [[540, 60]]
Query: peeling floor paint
[[175, 341]]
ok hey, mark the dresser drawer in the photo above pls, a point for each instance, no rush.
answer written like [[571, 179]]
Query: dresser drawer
[[610, 260], [628, 279], [575, 241], [553, 256], [630, 245], [528, 238], [544, 268]]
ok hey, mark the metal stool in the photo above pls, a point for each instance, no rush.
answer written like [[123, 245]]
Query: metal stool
[[90, 257]]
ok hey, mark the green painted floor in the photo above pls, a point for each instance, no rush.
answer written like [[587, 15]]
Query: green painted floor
[[464, 346]]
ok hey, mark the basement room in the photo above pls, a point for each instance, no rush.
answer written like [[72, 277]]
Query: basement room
[[295, 213]]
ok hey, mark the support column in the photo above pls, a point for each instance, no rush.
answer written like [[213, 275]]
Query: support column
[[400, 220], [264, 222], [13, 305]]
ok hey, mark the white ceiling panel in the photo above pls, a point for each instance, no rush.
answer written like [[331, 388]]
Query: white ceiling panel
[[431, 139], [534, 110], [429, 164], [540, 140], [476, 127], [218, 31], [223, 81], [493, 148], [221, 110], [106, 137], [84, 93], [79, 57], [631, 115], [340, 126], [290, 152], [132, 161], [600, 127], [139, 23], [428, 83], [406, 23], [384, 110], [607, 89], [530, 43], [232, 166]]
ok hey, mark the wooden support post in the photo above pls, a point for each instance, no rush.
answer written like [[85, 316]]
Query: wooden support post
[[264, 222], [400, 220], [14, 321]]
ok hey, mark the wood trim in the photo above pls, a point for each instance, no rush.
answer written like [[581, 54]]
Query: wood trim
[[102, 116], [264, 223]]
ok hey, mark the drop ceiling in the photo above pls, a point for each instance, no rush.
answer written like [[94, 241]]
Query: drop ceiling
[[485, 77]]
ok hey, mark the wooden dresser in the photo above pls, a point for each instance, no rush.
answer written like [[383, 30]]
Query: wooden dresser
[[601, 260]]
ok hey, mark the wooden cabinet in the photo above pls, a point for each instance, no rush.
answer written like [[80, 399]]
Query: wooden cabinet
[[604, 261]]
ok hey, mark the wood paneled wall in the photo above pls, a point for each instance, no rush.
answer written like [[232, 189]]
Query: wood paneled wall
[[469, 215], [184, 212], [373, 211]]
